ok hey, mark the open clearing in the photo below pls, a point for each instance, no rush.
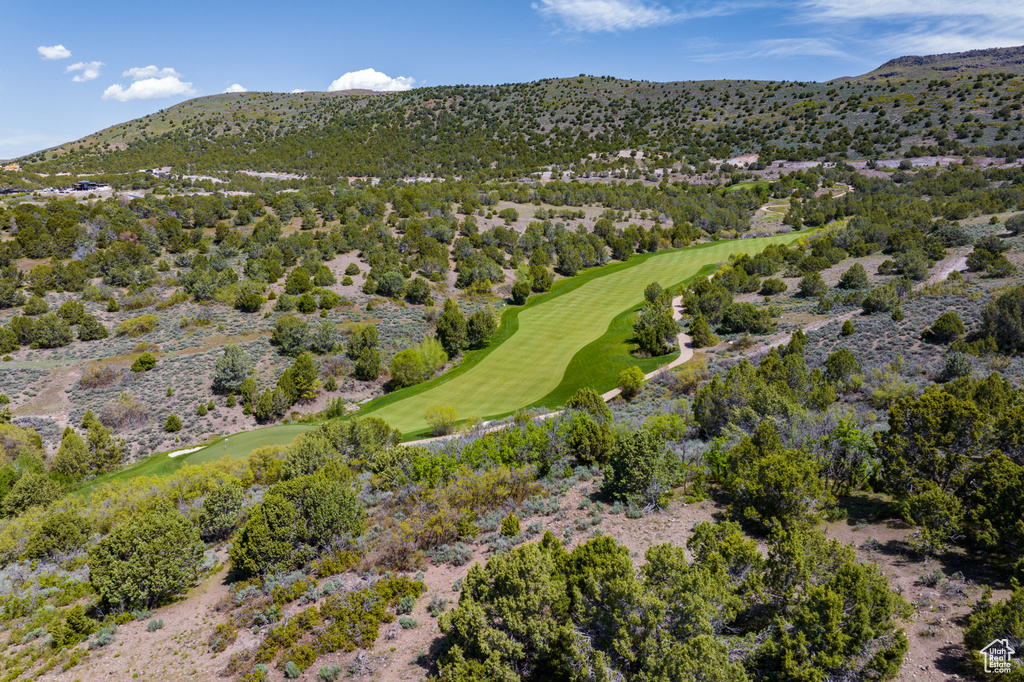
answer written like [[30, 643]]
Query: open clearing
[[531, 362]]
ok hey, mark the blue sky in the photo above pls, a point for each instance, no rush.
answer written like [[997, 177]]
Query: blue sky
[[69, 69]]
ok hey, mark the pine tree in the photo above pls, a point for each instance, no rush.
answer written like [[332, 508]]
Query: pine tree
[[700, 333], [451, 328], [73, 458]]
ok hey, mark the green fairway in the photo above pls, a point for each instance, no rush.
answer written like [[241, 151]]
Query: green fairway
[[241, 444], [748, 185], [238, 445], [533, 354]]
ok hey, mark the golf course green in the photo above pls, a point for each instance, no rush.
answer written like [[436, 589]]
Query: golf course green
[[578, 334], [234, 446], [537, 354]]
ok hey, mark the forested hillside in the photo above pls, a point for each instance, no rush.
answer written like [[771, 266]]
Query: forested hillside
[[515, 129]]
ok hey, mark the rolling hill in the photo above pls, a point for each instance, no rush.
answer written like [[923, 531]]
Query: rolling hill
[[943, 104]]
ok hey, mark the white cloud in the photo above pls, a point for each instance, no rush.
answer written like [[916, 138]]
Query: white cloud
[[54, 52], [931, 27], [595, 16], [150, 83], [90, 71], [368, 79], [955, 41], [996, 10], [140, 72], [236, 88], [298, 91], [780, 48]]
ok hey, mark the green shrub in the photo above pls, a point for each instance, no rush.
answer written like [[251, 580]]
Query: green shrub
[[329, 673], [451, 328], [772, 286], [520, 292], [957, 365], [144, 362], [947, 327], [441, 419], [146, 560], [290, 335], [51, 331], [202, 410], [72, 311], [221, 512], [510, 527], [91, 329], [847, 329], [9, 341], [249, 297], [746, 317], [417, 363], [586, 439], [298, 282], [854, 278], [588, 400], [639, 469], [655, 330], [30, 490], [631, 380], [172, 424], [306, 304], [35, 306], [812, 286], [992, 620], [285, 303], [137, 326], [155, 624], [295, 520], [480, 327], [775, 487], [60, 533], [841, 366]]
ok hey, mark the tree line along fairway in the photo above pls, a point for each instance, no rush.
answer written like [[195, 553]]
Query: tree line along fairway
[[529, 363]]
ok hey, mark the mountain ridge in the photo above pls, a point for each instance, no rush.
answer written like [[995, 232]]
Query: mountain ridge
[[519, 128], [988, 60]]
